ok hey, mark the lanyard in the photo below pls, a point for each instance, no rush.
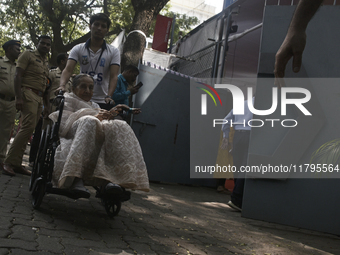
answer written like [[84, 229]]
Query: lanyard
[[101, 53]]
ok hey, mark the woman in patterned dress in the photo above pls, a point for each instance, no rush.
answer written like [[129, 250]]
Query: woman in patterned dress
[[94, 148]]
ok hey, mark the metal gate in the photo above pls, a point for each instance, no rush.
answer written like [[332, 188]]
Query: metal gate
[[163, 127]]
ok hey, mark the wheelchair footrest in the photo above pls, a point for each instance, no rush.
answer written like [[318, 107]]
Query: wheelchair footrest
[[125, 196], [65, 192]]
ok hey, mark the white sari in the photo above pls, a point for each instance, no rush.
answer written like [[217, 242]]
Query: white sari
[[96, 151]]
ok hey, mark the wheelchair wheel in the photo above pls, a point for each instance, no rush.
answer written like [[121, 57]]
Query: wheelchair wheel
[[38, 181], [37, 164], [112, 207], [38, 192]]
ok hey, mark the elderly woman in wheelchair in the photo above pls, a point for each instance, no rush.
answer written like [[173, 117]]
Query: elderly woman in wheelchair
[[95, 149]]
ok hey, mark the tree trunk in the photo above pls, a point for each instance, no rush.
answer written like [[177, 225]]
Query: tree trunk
[[133, 50], [145, 12]]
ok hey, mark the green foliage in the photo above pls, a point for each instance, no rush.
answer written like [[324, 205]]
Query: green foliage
[[26, 20], [184, 24], [121, 13], [328, 153], [16, 124], [67, 20]]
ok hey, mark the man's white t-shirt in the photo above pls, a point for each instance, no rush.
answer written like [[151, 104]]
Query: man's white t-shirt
[[97, 65]]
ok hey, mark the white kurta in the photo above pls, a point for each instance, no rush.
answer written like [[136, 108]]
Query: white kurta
[[96, 151]]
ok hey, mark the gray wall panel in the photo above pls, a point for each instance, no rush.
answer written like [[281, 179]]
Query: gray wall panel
[[308, 203]]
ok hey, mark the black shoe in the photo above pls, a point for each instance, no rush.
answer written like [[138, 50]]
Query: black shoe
[[235, 206], [81, 192], [113, 189]]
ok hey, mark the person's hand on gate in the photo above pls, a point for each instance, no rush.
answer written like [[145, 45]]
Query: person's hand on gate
[[293, 46]]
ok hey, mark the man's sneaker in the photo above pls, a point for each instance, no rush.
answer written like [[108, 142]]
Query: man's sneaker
[[236, 207]]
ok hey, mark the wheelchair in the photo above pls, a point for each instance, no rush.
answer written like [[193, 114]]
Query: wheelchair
[[41, 177]]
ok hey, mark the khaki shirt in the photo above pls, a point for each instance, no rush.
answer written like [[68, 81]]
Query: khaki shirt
[[55, 75], [36, 70], [7, 71]]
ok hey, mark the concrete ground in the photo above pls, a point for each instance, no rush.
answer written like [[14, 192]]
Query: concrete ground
[[171, 219]]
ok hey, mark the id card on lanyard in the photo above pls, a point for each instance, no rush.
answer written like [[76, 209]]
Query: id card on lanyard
[[101, 53]]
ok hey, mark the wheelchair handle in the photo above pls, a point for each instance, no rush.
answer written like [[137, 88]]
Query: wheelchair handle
[[60, 94]]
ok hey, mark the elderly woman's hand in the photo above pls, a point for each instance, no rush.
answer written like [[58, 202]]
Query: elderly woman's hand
[[119, 108], [104, 115]]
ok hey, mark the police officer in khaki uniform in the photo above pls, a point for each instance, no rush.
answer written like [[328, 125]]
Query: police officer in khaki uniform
[[54, 76], [30, 85], [7, 94]]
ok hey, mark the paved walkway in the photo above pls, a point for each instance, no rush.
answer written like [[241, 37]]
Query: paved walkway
[[171, 219]]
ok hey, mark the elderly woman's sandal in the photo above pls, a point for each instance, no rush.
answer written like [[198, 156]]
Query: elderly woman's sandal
[[79, 189], [113, 189]]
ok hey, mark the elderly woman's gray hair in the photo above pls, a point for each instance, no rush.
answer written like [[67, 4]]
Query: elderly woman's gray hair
[[76, 80]]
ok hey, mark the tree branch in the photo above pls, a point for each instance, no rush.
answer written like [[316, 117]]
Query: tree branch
[[31, 27]]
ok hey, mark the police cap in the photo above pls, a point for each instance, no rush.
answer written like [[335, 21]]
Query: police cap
[[9, 43]]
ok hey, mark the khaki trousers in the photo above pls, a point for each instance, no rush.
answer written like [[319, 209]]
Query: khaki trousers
[[31, 112], [7, 116]]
